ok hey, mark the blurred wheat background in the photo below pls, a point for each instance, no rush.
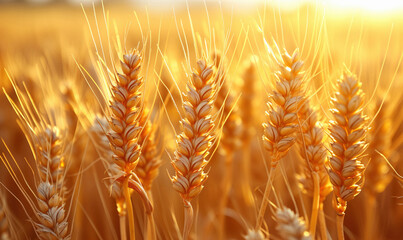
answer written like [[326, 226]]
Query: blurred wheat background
[[201, 119]]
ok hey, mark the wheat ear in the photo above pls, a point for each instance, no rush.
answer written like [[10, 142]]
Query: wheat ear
[[347, 132], [247, 107], [148, 166], [125, 106], [4, 227], [314, 180], [282, 120], [196, 138], [377, 173], [231, 134], [290, 226], [50, 193], [97, 129]]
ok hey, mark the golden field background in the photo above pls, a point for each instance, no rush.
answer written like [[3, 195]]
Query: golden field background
[[47, 48]]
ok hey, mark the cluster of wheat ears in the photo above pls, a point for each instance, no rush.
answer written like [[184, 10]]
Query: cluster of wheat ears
[[99, 142]]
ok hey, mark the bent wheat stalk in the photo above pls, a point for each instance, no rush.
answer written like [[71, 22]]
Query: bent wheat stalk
[[282, 120], [347, 132], [196, 139]]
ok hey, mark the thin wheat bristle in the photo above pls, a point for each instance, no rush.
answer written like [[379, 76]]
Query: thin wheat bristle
[[313, 151], [377, 172], [348, 132], [282, 122], [148, 166], [290, 226]]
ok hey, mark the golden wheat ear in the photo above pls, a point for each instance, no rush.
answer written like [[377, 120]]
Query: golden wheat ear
[[126, 104], [148, 166], [377, 172], [348, 132], [290, 225], [282, 119], [314, 180], [4, 223], [196, 138]]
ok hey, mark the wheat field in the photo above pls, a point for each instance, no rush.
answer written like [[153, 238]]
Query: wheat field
[[200, 120]]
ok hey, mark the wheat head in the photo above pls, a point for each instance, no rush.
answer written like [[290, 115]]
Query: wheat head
[[377, 172], [50, 193], [196, 138], [347, 132], [148, 166], [290, 226], [312, 149], [281, 125]]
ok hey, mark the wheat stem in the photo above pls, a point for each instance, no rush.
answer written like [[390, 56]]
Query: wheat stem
[[122, 227], [340, 227], [265, 200], [225, 193], [322, 223], [188, 220], [315, 204], [126, 192], [370, 226]]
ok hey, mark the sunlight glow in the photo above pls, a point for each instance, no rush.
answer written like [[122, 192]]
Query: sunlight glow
[[367, 5], [373, 6]]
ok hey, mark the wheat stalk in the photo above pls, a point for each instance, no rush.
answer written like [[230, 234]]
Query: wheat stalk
[[290, 226], [125, 106], [314, 180], [196, 139], [282, 120], [347, 132]]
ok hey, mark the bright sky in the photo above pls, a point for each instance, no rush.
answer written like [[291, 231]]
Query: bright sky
[[373, 6], [366, 5]]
